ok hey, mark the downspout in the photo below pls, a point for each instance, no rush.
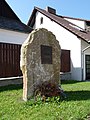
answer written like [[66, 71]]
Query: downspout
[[83, 59]]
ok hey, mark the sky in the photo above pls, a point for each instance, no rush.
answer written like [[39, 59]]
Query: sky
[[70, 8]]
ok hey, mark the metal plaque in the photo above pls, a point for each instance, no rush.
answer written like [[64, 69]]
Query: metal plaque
[[46, 54]]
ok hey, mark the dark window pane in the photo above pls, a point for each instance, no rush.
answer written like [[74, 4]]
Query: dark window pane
[[88, 23], [87, 60], [41, 20]]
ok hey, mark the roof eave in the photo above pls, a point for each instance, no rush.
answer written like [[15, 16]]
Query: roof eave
[[14, 30], [32, 15], [87, 41]]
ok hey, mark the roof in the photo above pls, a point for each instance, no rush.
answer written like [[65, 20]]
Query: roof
[[6, 11], [15, 25], [10, 21], [79, 32]]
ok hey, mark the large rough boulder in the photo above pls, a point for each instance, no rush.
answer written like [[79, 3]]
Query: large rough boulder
[[40, 60]]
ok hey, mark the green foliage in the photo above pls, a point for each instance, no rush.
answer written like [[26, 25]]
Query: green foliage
[[75, 107]]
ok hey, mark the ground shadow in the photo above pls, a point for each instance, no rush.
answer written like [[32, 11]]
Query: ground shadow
[[69, 81], [77, 95], [11, 87]]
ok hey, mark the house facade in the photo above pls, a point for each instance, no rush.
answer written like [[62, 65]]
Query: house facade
[[12, 34], [74, 37]]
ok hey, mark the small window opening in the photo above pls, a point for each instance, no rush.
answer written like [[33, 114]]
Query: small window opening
[[88, 23], [41, 20]]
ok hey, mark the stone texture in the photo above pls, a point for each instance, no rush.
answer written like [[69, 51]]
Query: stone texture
[[33, 70]]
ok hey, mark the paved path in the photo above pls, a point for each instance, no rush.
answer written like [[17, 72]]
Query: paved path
[[10, 81]]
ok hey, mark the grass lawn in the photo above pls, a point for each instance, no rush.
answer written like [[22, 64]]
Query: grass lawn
[[75, 107]]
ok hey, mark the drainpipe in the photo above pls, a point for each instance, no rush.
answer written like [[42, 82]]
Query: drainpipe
[[83, 58]]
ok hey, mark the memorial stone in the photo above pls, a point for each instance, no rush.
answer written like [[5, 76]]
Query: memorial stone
[[40, 60]]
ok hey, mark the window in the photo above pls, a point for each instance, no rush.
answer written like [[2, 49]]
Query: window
[[41, 20], [65, 61], [87, 64], [46, 54], [87, 26], [88, 23]]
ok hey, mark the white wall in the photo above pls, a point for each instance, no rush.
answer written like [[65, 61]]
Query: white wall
[[8, 36], [67, 41]]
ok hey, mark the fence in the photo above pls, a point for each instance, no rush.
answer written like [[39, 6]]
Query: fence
[[9, 60]]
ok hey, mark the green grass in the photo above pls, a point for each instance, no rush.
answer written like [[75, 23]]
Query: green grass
[[75, 107]]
